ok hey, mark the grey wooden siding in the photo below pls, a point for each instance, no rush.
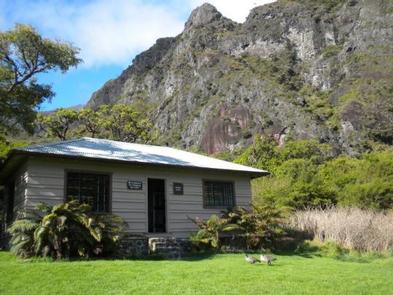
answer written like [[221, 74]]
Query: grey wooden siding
[[46, 179]]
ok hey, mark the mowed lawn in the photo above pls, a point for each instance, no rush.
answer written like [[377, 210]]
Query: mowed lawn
[[218, 274]]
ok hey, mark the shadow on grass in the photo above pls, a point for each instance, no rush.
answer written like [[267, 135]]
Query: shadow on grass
[[305, 250], [186, 257], [312, 249]]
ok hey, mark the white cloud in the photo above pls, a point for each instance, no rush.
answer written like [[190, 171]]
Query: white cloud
[[236, 10], [108, 32], [112, 32]]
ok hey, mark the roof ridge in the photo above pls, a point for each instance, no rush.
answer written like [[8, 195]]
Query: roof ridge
[[168, 147], [126, 142]]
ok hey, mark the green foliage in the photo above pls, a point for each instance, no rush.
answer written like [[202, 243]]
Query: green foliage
[[209, 231], [119, 122], [366, 99], [23, 55], [64, 231], [58, 123], [264, 153], [227, 155], [6, 146], [304, 174], [259, 226], [328, 5], [296, 185], [22, 237], [282, 68], [331, 50], [317, 102], [261, 154], [125, 123], [90, 121], [255, 228], [364, 182]]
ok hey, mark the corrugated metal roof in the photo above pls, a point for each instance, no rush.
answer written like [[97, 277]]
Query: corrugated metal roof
[[133, 152]]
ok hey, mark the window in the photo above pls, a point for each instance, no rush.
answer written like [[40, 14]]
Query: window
[[218, 194], [89, 188]]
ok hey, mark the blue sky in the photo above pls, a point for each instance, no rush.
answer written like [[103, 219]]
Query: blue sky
[[108, 33]]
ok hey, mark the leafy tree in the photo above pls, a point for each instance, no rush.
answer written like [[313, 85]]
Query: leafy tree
[[90, 121], [6, 146], [297, 184], [365, 182], [125, 123], [261, 154], [58, 123], [311, 149], [305, 174], [265, 153], [119, 122], [24, 53]]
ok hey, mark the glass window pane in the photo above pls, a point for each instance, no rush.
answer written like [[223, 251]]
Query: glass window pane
[[92, 189], [218, 194]]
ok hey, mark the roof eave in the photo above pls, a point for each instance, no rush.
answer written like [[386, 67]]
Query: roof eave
[[10, 164], [259, 174]]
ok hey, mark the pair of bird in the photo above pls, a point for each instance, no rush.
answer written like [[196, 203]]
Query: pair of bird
[[263, 258]]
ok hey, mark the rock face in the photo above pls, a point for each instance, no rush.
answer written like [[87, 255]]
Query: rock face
[[299, 69]]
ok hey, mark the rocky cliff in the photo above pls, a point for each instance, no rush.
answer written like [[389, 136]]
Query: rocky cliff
[[294, 69]]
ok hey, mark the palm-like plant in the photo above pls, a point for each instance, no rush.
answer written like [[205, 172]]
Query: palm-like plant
[[259, 225], [22, 241], [210, 230], [67, 230]]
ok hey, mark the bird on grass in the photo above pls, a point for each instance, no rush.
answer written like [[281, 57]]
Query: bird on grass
[[267, 259], [251, 259]]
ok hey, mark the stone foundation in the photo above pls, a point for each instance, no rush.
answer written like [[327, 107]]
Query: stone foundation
[[165, 247], [169, 247], [133, 246]]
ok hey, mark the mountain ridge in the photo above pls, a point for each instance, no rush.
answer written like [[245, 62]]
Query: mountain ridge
[[293, 69]]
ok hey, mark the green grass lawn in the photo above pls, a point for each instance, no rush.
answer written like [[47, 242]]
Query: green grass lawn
[[218, 274]]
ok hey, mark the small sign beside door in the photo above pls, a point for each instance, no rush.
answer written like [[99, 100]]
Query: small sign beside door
[[134, 185], [177, 188]]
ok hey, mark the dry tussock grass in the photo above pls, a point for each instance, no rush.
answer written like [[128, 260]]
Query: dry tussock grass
[[351, 228]]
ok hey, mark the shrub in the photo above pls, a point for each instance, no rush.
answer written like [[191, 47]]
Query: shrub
[[364, 182], [265, 153], [259, 226], [22, 237], [303, 174], [66, 230], [350, 228], [253, 228], [209, 231]]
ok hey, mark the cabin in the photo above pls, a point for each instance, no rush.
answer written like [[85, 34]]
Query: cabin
[[155, 189]]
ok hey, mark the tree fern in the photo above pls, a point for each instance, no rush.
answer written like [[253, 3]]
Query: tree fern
[[22, 241], [66, 230]]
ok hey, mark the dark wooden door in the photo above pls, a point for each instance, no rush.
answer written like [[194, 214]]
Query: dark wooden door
[[156, 205]]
